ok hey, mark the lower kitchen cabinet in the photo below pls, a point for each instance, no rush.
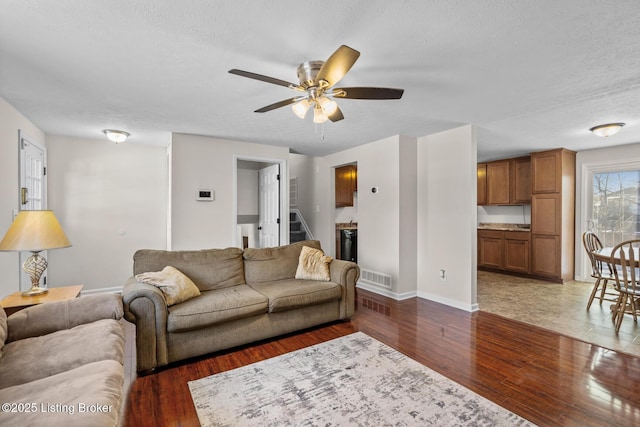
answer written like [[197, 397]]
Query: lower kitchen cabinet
[[546, 255], [504, 250], [491, 249], [516, 251]]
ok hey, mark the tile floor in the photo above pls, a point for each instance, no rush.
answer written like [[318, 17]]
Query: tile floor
[[558, 307]]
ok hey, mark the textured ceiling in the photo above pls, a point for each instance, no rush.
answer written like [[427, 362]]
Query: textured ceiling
[[530, 74]]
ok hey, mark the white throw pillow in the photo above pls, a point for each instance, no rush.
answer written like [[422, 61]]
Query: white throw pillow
[[175, 286], [313, 265]]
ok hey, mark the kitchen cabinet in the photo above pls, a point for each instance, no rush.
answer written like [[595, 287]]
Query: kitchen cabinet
[[498, 180], [504, 182], [520, 181], [491, 249], [482, 184], [504, 250], [553, 214], [517, 251], [546, 256], [346, 183]]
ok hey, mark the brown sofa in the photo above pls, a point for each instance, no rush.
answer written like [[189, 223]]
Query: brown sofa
[[245, 296], [61, 363]]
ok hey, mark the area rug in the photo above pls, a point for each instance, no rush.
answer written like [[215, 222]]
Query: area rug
[[354, 380]]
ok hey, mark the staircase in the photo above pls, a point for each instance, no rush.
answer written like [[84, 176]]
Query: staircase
[[296, 232]]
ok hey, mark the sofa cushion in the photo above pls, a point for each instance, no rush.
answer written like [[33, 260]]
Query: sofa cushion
[[30, 359], [294, 293], [270, 264], [208, 269], [175, 286], [64, 399], [217, 306], [313, 264], [46, 318]]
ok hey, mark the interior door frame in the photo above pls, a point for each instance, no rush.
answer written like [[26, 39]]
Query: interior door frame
[[284, 196]]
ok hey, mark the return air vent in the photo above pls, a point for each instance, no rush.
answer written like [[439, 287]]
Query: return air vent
[[375, 278]]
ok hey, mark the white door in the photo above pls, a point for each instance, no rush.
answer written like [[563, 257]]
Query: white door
[[33, 191], [269, 206]]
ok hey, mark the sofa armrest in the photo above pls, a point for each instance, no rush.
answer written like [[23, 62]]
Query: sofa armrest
[[146, 307], [346, 274], [54, 316]]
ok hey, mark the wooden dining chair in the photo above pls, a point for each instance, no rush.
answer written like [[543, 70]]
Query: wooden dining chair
[[602, 272], [627, 275]]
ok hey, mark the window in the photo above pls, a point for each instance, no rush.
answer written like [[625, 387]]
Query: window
[[615, 205]]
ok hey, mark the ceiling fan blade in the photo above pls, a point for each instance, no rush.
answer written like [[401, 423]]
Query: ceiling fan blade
[[276, 105], [262, 78], [336, 116], [368, 93], [338, 64]]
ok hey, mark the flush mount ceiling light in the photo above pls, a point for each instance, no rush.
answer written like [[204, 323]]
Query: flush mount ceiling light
[[116, 136], [607, 130]]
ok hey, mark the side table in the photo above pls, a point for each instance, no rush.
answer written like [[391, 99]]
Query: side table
[[16, 301]]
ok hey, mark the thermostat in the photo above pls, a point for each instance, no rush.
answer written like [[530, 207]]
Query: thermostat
[[205, 195]]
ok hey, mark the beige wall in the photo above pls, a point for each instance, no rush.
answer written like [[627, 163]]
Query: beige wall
[[379, 231], [447, 217], [11, 121], [208, 163], [111, 201]]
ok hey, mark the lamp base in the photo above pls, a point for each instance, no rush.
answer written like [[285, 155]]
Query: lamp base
[[35, 290]]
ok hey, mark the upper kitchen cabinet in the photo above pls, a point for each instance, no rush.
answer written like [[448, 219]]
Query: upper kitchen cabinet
[[548, 168], [520, 181], [482, 183], [346, 184], [504, 182], [498, 180]]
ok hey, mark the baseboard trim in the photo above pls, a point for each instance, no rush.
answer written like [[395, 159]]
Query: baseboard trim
[[385, 292], [446, 301]]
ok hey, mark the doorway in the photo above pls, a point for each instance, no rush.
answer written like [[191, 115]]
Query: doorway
[[611, 209], [260, 202], [32, 190]]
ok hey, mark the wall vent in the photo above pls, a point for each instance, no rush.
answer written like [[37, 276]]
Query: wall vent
[[375, 278]]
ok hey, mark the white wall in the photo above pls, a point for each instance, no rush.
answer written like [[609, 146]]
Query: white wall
[[247, 192], [505, 214], [603, 156], [303, 168], [111, 201], [203, 162], [447, 217], [408, 205], [10, 122], [378, 214]]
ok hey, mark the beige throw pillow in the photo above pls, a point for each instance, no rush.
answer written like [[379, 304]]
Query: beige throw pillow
[[175, 286], [313, 265]]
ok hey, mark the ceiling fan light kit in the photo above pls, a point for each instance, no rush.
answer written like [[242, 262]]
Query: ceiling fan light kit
[[606, 130], [316, 81]]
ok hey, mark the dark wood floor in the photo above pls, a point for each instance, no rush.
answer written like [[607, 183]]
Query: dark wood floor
[[542, 376]]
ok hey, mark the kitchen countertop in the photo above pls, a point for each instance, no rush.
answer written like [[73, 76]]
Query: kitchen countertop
[[503, 226]]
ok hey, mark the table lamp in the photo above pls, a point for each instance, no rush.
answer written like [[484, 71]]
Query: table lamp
[[34, 231]]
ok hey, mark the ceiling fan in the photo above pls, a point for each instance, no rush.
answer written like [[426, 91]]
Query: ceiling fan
[[317, 80]]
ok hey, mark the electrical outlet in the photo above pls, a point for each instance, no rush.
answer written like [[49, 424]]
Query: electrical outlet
[[443, 274]]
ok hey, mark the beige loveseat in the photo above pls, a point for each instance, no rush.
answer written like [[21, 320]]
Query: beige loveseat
[[61, 363], [245, 296]]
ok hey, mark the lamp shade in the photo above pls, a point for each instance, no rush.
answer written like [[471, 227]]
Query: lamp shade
[[34, 231]]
